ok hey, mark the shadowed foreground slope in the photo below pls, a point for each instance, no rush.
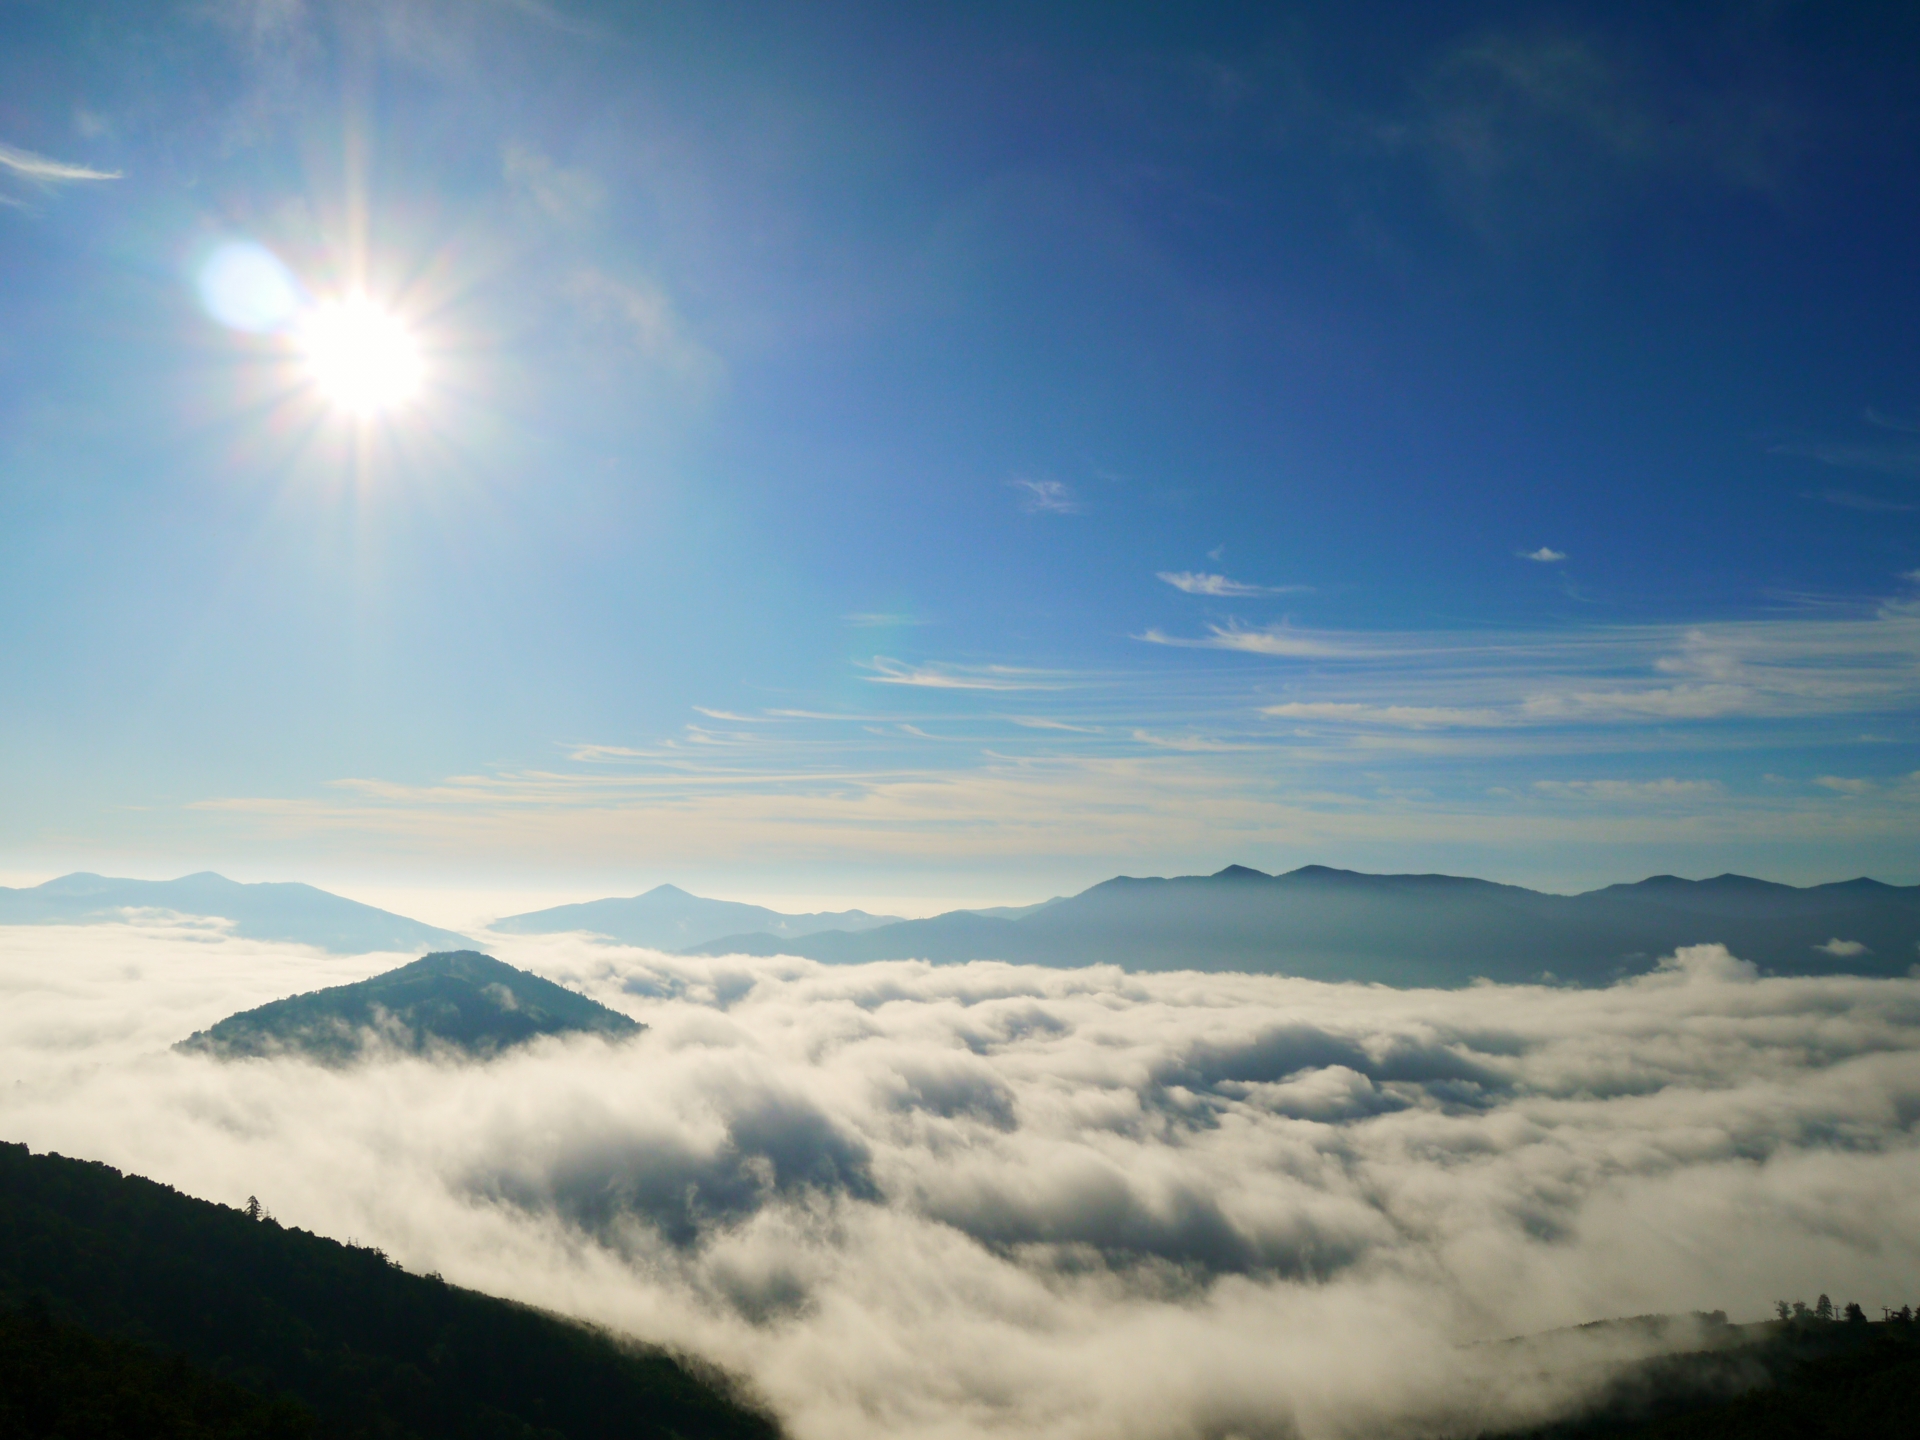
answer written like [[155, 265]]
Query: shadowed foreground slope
[[1778, 1381], [61, 1382], [458, 999], [370, 1349]]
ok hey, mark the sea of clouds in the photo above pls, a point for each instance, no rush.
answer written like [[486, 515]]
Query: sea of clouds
[[913, 1201]]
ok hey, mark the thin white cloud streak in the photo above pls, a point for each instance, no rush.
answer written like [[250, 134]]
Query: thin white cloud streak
[[1635, 791], [1277, 640], [1898, 458], [1036, 722], [572, 197], [588, 754], [41, 170], [1413, 717], [1436, 738], [920, 1201], [1827, 662], [1199, 582], [960, 677], [1545, 555], [1046, 497], [1147, 811]]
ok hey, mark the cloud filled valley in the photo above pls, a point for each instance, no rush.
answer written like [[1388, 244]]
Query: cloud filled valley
[[995, 1199]]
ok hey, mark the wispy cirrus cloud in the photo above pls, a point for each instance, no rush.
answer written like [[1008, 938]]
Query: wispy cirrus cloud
[[571, 196], [1191, 744], [1199, 582], [961, 677], [1884, 457], [1037, 722], [1413, 717], [44, 171], [1279, 640], [39, 172], [1046, 497], [1378, 739], [1545, 555], [588, 754], [1630, 791]]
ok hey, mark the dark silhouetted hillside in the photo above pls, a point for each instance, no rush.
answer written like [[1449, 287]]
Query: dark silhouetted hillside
[[459, 1000], [371, 1350], [60, 1382], [1829, 1381]]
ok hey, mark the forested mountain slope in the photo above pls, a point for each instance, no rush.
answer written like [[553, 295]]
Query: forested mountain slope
[[370, 1349]]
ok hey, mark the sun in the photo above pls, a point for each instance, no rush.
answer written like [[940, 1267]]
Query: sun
[[361, 357]]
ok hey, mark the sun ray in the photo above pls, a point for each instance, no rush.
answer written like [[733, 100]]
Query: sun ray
[[363, 359]]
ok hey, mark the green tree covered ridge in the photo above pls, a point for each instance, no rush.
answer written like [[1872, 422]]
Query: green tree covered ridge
[[454, 999], [367, 1348]]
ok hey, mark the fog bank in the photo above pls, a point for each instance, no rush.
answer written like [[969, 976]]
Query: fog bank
[[987, 1199]]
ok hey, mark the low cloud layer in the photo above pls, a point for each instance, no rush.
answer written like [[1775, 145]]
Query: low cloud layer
[[1002, 1200]]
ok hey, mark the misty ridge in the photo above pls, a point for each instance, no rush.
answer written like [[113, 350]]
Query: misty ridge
[[909, 1198], [1315, 922], [285, 911], [1418, 930]]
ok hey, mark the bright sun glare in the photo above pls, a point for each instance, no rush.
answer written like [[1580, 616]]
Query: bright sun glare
[[362, 358]]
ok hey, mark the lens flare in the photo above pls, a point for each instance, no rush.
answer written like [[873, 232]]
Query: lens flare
[[362, 358], [245, 287]]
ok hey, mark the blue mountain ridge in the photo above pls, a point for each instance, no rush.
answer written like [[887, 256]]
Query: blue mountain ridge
[[668, 918], [1406, 930], [284, 911]]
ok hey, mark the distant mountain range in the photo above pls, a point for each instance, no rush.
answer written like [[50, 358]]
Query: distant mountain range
[[461, 1000], [668, 918], [1315, 922], [292, 912], [1404, 929]]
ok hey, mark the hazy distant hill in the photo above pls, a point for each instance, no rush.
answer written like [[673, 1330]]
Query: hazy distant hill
[[294, 912], [371, 1350], [668, 918], [463, 1000], [1406, 929]]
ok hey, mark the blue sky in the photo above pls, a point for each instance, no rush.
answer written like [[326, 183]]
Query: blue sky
[[916, 454]]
